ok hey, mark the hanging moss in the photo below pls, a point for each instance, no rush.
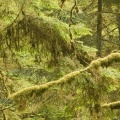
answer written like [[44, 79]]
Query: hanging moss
[[48, 31], [45, 33], [48, 37]]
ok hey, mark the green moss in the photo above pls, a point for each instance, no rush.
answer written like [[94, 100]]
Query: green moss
[[40, 89]]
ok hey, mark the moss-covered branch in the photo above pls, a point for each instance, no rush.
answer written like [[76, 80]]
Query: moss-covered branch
[[38, 89], [113, 105], [48, 35], [106, 61]]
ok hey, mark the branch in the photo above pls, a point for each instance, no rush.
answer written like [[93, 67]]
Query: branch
[[88, 6], [115, 43], [71, 11], [109, 32], [61, 6], [113, 105], [71, 21], [8, 107], [39, 89], [16, 17]]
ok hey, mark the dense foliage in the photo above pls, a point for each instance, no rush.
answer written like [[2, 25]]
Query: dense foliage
[[53, 64]]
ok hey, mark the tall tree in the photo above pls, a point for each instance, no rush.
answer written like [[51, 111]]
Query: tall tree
[[99, 27]]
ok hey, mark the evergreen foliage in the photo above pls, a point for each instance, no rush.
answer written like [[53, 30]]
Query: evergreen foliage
[[48, 64]]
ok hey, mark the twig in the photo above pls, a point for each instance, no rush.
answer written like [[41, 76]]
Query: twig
[[109, 32], [61, 6], [70, 21], [8, 107], [110, 42], [88, 6]]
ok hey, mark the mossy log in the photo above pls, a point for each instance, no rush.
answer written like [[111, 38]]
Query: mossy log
[[39, 89], [112, 105]]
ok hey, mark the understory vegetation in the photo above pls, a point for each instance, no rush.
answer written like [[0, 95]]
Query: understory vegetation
[[60, 60]]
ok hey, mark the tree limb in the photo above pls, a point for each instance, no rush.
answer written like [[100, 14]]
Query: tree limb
[[61, 6], [39, 89], [71, 21], [113, 105]]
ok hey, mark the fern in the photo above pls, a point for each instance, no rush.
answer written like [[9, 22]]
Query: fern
[[111, 73]]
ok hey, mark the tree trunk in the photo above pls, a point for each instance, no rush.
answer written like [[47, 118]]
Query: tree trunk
[[99, 28], [118, 20]]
